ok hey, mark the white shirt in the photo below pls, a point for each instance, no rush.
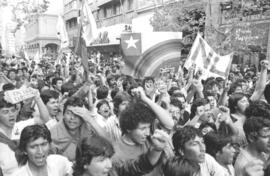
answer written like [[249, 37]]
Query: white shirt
[[57, 165], [210, 167], [8, 162], [19, 126]]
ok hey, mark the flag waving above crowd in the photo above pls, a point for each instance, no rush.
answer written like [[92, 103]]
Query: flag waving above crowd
[[62, 32], [207, 60], [88, 21]]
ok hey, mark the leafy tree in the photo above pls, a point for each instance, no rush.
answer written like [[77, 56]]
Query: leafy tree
[[179, 17]]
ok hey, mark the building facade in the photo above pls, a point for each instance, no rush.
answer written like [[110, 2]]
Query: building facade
[[244, 24], [41, 36]]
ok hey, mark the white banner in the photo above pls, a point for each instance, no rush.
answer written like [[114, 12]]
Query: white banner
[[18, 95], [207, 60]]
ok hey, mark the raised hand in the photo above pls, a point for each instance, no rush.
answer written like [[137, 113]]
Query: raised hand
[[159, 140], [254, 168], [265, 64]]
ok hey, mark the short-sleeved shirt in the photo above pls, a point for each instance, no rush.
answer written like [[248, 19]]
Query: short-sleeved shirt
[[57, 165], [64, 142], [210, 167]]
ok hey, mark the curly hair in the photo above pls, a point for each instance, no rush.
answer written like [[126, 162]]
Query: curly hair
[[258, 108], [87, 149], [135, 113], [102, 92], [183, 135]]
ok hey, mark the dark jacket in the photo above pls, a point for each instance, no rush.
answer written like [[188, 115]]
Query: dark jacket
[[136, 167]]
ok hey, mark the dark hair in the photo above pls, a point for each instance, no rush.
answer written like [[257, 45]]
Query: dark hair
[[8, 86], [128, 81], [29, 134], [171, 90], [267, 93], [178, 95], [118, 99], [102, 102], [74, 101], [88, 148], [102, 92], [70, 88], [234, 85], [54, 80], [209, 94], [146, 79], [258, 108], [114, 91], [135, 113], [214, 142], [110, 78], [233, 100], [183, 135], [208, 124], [197, 103], [175, 102], [255, 124], [4, 103], [46, 95], [179, 166]]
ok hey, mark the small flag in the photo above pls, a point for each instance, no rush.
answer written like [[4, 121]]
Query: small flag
[[62, 32], [131, 44], [207, 60]]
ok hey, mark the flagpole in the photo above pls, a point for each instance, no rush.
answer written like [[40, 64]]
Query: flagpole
[[86, 69]]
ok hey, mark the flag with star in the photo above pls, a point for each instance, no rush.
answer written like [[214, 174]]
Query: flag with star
[[131, 44]]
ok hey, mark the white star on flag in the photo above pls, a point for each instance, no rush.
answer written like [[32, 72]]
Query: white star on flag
[[131, 42]]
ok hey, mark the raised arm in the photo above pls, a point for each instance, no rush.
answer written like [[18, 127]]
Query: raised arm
[[261, 83], [163, 115], [43, 111]]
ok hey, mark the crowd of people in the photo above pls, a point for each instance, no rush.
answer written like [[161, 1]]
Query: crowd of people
[[101, 122]]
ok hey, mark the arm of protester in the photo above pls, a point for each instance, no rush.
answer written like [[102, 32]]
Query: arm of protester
[[225, 116], [146, 162], [190, 77], [260, 85], [88, 118], [222, 101], [82, 91], [4, 78], [43, 111], [198, 88], [164, 95], [163, 115], [90, 97]]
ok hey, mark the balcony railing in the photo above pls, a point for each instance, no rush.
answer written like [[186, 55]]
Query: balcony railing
[[117, 19]]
